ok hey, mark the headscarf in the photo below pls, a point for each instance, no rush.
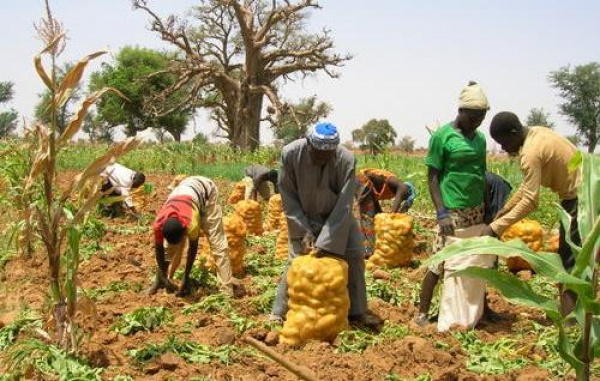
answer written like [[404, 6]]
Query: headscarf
[[324, 136], [472, 97]]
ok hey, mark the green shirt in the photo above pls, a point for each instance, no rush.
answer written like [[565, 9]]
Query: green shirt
[[461, 162]]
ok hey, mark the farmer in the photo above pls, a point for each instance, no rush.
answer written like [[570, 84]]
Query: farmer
[[544, 158], [317, 183], [456, 175], [192, 206], [119, 180], [374, 185], [257, 179]]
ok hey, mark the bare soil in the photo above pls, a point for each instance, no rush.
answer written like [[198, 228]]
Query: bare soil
[[128, 257]]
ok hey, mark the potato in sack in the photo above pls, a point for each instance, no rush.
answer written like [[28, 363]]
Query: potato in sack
[[318, 299]]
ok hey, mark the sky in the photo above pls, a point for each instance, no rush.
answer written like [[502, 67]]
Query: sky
[[411, 58]]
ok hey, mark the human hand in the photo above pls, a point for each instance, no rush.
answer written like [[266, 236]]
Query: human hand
[[446, 226], [308, 242], [488, 231]]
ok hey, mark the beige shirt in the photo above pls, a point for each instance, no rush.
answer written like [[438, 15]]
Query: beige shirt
[[544, 160]]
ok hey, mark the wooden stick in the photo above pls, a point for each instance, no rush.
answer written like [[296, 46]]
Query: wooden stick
[[300, 371]]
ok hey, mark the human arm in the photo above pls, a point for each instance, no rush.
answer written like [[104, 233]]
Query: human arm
[[190, 259], [525, 200], [444, 221], [401, 193]]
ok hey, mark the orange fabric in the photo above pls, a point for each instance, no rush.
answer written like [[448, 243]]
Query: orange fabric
[[386, 192]]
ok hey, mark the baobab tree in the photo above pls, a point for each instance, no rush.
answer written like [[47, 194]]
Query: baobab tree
[[235, 53]]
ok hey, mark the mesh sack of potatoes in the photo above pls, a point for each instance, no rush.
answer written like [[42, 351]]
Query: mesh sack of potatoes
[[552, 243], [281, 245], [318, 300], [531, 233], [235, 230], [394, 240], [274, 215], [238, 193], [251, 213]]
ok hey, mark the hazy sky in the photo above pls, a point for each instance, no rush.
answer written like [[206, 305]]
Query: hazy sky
[[411, 58]]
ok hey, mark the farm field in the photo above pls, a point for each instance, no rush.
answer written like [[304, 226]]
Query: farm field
[[127, 335]]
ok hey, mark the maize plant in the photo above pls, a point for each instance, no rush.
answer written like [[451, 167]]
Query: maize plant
[[57, 220], [582, 279], [15, 163]]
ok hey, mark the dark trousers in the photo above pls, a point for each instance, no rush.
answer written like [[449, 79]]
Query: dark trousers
[[564, 250]]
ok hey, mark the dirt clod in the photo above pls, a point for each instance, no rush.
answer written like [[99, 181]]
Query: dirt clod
[[380, 274], [272, 338]]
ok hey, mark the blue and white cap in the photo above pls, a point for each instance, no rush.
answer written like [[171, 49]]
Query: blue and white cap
[[324, 136]]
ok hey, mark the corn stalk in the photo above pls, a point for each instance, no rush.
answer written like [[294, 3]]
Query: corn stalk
[[581, 280], [57, 218]]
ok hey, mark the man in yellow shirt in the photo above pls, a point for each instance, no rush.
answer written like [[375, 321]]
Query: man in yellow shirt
[[544, 158]]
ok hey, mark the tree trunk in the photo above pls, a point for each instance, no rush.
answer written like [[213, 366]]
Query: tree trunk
[[246, 128], [593, 142], [176, 135]]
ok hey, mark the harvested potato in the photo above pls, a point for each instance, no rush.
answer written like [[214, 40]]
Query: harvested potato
[[531, 233], [318, 300], [238, 193], [273, 219], [394, 240], [251, 213]]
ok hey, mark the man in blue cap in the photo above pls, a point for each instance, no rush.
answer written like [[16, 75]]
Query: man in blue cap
[[316, 183]]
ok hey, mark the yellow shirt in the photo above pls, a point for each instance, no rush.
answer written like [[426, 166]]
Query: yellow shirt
[[544, 160]]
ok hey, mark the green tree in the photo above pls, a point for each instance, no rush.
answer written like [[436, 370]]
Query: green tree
[[98, 130], [406, 144], [200, 138], [64, 113], [8, 119], [573, 139], [295, 119], [539, 117], [139, 73], [580, 89], [375, 135], [235, 53]]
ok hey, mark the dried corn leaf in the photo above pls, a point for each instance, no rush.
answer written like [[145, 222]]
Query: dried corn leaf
[[79, 116], [39, 67], [72, 79]]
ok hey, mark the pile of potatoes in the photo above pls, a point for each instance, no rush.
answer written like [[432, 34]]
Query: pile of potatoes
[[531, 233], [238, 193], [394, 240], [281, 246], [251, 213], [318, 300], [235, 230], [274, 216]]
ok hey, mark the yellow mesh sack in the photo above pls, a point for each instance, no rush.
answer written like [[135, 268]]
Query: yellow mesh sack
[[235, 230], [251, 213], [531, 233], [238, 193], [318, 300], [281, 245], [274, 215], [394, 243]]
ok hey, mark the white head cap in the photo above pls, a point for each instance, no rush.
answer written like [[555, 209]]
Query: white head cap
[[472, 97]]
